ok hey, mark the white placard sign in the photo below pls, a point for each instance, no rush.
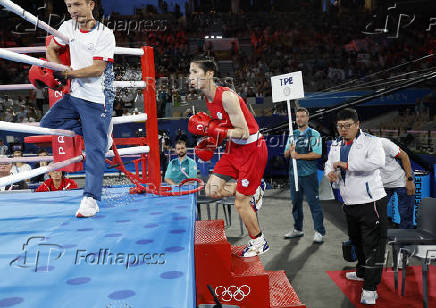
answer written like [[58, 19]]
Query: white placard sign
[[287, 87]]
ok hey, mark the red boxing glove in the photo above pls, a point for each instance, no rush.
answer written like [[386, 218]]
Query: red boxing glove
[[42, 77], [201, 124], [218, 130], [206, 148], [198, 123]]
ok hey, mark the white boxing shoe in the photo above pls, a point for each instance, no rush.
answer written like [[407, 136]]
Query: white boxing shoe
[[255, 247]]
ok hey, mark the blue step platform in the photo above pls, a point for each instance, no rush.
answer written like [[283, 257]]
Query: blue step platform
[[137, 252]]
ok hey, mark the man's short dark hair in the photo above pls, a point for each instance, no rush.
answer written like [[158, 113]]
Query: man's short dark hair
[[347, 114], [302, 109], [181, 141]]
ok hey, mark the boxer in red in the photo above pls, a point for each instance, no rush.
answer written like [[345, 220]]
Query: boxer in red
[[246, 154]]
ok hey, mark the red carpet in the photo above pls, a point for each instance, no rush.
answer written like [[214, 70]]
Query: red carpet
[[386, 290]]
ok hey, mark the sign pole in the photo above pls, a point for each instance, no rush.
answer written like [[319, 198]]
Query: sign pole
[[291, 139]]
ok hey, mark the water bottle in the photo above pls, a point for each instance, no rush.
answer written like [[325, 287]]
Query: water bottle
[[335, 184]]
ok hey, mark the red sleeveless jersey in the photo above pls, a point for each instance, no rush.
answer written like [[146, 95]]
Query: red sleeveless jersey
[[217, 111]]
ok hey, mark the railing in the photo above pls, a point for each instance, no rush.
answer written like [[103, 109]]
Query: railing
[[423, 141]]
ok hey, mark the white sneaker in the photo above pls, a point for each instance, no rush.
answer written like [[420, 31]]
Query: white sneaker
[[88, 208], [353, 276], [256, 199], [368, 297], [255, 247], [318, 238], [293, 234]]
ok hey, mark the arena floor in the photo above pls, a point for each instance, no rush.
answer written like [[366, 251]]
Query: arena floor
[[306, 263]]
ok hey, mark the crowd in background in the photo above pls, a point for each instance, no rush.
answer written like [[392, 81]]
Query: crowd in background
[[330, 48]]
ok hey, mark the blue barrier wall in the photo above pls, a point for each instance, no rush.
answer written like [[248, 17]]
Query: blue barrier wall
[[422, 190], [403, 97]]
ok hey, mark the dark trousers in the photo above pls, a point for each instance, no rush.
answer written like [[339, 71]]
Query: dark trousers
[[307, 186], [406, 204], [367, 231]]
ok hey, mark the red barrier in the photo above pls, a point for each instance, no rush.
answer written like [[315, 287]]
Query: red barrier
[[152, 174]]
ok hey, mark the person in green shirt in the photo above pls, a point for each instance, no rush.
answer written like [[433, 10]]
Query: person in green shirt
[[182, 167], [307, 149]]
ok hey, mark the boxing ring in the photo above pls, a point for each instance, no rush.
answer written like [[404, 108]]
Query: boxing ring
[[138, 251], [49, 258]]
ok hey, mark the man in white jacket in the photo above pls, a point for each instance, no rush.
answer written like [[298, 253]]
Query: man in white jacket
[[353, 164], [398, 178]]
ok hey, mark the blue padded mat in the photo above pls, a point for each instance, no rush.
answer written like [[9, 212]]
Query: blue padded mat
[[49, 258]]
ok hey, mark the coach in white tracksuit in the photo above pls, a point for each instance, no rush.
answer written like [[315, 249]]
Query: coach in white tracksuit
[[353, 164], [87, 109]]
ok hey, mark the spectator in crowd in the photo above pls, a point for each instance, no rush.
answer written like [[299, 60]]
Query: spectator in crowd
[[164, 146], [118, 109], [181, 136], [354, 164], [5, 170], [9, 115], [22, 114], [19, 167], [164, 99], [57, 181], [188, 113], [182, 167], [41, 177], [3, 148], [40, 98], [307, 149], [192, 97], [20, 101], [33, 114]]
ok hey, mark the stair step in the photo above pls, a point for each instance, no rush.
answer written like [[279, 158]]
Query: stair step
[[245, 266], [210, 232], [282, 295]]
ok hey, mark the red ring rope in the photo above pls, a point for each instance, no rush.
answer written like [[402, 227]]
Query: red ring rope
[[150, 188]]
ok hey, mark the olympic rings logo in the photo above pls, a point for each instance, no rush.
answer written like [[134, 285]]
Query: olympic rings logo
[[233, 292]]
